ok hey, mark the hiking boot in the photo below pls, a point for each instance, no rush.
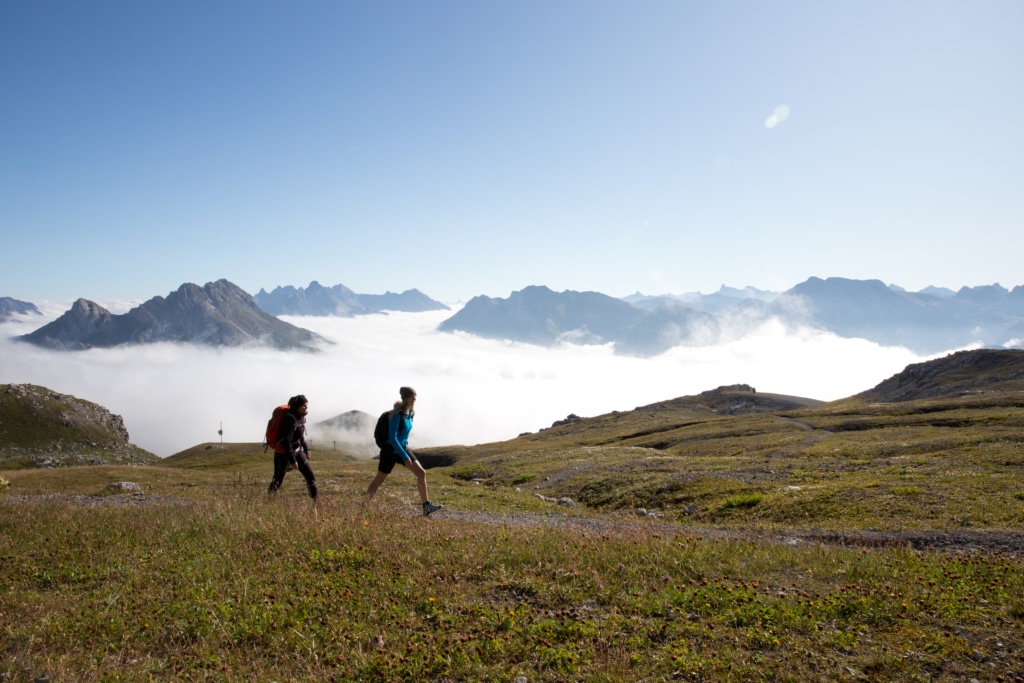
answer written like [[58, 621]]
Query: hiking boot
[[429, 507]]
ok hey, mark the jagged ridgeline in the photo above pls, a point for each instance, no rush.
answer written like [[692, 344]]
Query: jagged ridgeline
[[927, 322], [341, 301], [42, 428], [217, 314]]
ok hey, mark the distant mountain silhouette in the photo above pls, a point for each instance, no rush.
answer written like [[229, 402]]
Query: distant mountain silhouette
[[313, 300], [409, 301], [218, 314], [644, 325], [938, 291], [351, 431], [10, 307], [538, 315], [340, 301], [924, 323], [724, 299]]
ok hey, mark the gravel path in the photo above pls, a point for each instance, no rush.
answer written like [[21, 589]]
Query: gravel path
[[960, 541], [965, 541]]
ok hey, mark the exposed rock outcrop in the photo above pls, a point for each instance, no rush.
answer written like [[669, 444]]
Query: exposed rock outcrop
[[965, 373], [43, 428]]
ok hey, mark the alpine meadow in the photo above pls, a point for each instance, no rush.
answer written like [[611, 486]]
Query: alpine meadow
[[727, 535]]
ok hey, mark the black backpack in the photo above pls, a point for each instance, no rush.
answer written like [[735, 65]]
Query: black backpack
[[380, 432]]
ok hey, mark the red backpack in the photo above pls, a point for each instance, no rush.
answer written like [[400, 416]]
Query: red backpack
[[273, 427]]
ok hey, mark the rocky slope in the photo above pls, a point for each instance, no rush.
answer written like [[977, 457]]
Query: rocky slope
[[965, 373], [43, 428], [218, 314]]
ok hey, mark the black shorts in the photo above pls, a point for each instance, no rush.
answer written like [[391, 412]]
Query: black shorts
[[388, 460]]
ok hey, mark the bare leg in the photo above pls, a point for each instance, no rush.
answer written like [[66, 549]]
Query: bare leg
[[375, 484], [421, 478]]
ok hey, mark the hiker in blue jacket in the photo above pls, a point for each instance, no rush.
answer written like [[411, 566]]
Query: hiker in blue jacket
[[397, 450], [291, 451]]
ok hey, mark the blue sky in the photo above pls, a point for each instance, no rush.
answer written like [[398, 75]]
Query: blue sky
[[466, 147]]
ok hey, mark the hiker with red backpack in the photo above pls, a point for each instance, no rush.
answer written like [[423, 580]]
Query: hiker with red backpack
[[286, 434], [395, 448]]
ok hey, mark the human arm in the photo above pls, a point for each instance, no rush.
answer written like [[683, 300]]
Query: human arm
[[398, 438], [301, 428]]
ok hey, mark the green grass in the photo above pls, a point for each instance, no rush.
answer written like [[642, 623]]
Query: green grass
[[848, 465], [211, 580], [233, 586], [746, 500]]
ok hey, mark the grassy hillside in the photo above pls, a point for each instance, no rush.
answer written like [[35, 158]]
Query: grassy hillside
[[42, 428], [715, 459], [776, 545]]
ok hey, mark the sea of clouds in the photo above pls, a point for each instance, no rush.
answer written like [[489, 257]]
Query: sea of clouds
[[471, 390]]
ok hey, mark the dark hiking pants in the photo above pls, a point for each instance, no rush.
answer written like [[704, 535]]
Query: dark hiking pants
[[283, 462]]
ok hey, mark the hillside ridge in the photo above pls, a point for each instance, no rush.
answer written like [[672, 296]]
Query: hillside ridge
[[40, 427], [963, 373]]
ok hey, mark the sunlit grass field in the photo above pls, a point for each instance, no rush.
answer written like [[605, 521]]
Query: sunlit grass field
[[848, 465], [203, 577]]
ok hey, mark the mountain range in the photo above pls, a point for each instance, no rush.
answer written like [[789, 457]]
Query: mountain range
[[930, 321], [341, 301], [221, 314], [218, 314], [10, 307]]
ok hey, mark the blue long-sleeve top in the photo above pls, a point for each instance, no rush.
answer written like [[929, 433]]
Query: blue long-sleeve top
[[398, 434]]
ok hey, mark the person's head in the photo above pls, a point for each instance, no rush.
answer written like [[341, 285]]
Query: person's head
[[408, 395], [298, 405]]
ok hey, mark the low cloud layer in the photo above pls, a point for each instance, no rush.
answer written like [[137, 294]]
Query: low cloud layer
[[471, 390]]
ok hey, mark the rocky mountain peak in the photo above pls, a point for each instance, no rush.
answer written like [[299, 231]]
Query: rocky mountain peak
[[88, 314], [218, 314]]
